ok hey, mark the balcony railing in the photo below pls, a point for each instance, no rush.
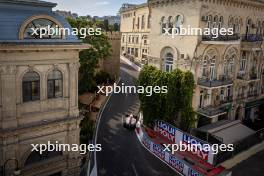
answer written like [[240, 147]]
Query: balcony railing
[[207, 82], [211, 111], [221, 38], [252, 38], [252, 93], [241, 75], [253, 76], [226, 100]]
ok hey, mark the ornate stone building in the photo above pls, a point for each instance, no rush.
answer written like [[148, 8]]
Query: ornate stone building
[[38, 90], [135, 27], [228, 70]]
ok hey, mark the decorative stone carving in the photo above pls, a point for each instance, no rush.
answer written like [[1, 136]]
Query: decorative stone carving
[[8, 70]]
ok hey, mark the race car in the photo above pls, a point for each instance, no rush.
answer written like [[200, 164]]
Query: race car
[[130, 121]]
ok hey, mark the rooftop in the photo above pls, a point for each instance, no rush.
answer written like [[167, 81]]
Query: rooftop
[[13, 14]]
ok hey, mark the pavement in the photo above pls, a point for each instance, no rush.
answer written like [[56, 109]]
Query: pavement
[[122, 154], [253, 166]]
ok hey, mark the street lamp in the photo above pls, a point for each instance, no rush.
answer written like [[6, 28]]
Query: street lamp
[[16, 172]]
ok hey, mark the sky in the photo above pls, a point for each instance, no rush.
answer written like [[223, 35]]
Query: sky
[[93, 7]]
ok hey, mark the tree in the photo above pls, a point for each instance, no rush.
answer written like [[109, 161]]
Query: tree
[[89, 58], [106, 25], [175, 106], [116, 27]]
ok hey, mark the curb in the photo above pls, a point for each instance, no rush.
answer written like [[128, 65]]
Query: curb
[[130, 63]]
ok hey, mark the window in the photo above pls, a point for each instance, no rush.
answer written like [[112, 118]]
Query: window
[[143, 22], [36, 157], [170, 24], [243, 62], [215, 24], [55, 84], [204, 67], [31, 87], [221, 22], [149, 21], [209, 25], [163, 25], [212, 68], [138, 23], [179, 21], [168, 62], [133, 23], [40, 23]]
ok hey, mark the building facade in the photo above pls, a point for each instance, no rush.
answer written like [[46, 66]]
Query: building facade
[[38, 90], [135, 28], [228, 70]]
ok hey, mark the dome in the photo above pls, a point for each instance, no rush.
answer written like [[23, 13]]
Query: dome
[[16, 15]]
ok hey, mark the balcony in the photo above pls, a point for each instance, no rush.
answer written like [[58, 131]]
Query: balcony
[[223, 81], [241, 75], [253, 76], [252, 93], [213, 111], [226, 100], [222, 39], [252, 38]]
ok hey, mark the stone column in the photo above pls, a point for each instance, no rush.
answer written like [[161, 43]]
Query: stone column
[[73, 89], [8, 96]]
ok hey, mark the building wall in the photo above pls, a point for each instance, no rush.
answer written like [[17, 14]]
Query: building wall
[[135, 36], [37, 122], [226, 92]]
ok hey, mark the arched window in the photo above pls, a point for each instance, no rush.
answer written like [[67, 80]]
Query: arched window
[[243, 61], [249, 25], [179, 21], [215, 24], [170, 24], [262, 28], [138, 23], [163, 25], [209, 22], [168, 62], [259, 27], [231, 23], [143, 22], [36, 157], [55, 84], [149, 22], [204, 66], [229, 65], [236, 26], [212, 68], [31, 86], [221, 22], [32, 30]]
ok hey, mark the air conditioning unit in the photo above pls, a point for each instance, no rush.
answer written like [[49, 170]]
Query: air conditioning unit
[[204, 18]]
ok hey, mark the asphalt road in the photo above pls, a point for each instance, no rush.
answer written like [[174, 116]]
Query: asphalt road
[[122, 154], [253, 166]]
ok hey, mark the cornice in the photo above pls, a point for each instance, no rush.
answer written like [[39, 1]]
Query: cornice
[[24, 48]]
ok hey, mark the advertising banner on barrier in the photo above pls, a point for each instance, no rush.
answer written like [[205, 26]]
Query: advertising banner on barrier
[[175, 136], [177, 164]]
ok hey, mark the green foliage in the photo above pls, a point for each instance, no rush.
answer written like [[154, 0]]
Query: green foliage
[[102, 77], [89, 59], [175, 105], [87, 128]]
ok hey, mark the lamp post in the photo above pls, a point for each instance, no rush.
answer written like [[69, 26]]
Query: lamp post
[[16, 172]]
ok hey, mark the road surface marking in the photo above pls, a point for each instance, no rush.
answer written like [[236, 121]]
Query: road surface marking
[[134, 169]]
